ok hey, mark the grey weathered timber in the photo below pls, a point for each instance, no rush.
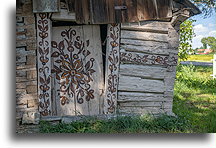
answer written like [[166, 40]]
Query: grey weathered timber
[[146, 36], [160, 50], [44, 6], [138, 84], [63, 15], [137, 97], [142, 71], [141, 110]]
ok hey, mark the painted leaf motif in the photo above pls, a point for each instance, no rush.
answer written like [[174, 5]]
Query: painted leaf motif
[[77, 45], [40, 27], [87, 43], [44, 60], [53, 71], [40, 51], [55, 54], [46, 28], [48, 80], [57, 77], [110, 59], [58, 70], [92, 71], [87, 65], [61, 45], [88, 53], [58, 61], [54, 44], [42, 81], [47, 51]]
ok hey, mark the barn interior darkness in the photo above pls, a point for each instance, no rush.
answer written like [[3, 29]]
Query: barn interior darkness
[[103, 32]]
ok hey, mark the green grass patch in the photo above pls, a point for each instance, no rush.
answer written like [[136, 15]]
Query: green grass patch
[[201, 58], [195, 97], [128, 124]]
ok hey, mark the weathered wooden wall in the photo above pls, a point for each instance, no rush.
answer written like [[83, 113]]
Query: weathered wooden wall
[[148, 53], [26, 73], [148, 56]]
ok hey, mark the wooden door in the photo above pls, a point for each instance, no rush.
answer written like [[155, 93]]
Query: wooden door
[[77, 72]]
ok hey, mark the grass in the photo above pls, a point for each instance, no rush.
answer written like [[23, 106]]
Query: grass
[[194, 104], [201, 58], [195, 97], [137, 124]]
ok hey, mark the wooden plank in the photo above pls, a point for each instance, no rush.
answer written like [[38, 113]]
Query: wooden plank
[[78, 69], [71, 5], [146, 29], [142, 71], [141, 110], [45, 6], [173, 38], [146, 36], [63, 15], [82, 11], [92, 33], [146, 10], [150, 24], [157, 48], [99, 13], [110, 9], [112, 68], [144, 104], [44, 63], [136, 97], [164, 8], [150, 47], [129, 15], [145, 44], [138, 84]]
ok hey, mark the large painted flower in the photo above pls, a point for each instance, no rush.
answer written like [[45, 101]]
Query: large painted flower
[[72, 71]]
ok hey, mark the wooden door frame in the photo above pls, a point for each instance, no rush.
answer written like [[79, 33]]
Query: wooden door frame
[[44, 37]]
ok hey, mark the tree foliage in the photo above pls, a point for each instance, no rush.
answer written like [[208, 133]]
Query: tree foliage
[[206, 6], [186, 36], [209, 41]]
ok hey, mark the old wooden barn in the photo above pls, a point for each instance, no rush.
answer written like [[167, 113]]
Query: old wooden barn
[[92, 57]]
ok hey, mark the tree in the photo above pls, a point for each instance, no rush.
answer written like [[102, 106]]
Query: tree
[[204, 42], [186, 36], [206, 6], [209, 41]]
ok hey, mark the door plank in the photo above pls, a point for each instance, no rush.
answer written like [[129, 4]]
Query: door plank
[[77, 67]]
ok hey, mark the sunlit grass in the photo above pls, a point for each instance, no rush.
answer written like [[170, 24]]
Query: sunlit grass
[[195, 97], [201, 58]]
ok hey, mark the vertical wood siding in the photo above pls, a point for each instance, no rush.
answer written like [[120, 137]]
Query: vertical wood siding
[[111, 11]]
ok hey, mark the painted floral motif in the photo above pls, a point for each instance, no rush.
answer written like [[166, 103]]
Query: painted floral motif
[[113, 63], [43, 66], [72, 68], [149, 59]]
